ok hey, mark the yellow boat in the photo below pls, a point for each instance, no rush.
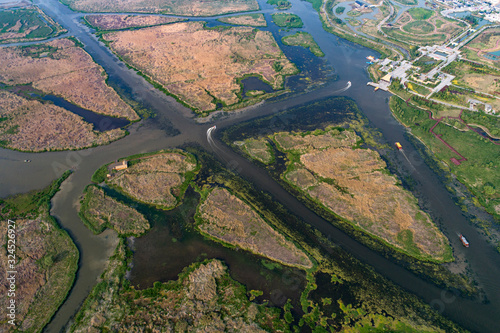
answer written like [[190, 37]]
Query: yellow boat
[[398, 145]]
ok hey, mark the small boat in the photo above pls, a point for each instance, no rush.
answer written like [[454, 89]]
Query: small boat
[[27, 161], [398, 145], [464, 240]]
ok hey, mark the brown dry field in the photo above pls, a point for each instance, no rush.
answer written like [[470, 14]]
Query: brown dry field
[[41, 280], [34, 126], [102, 210], [361, 191], [68, 72], [483, 82], [229, 219], [118, 22], [197, 64], [154, 180], [177, 7], [254, 20], [332, 138]]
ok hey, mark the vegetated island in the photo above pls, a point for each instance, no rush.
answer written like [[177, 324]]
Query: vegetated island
[[253, 20], [354, 184], [59, 68], [303, 39], [287, 20], [205, 296], [227, 218], [121, 22], [158, 179], [99, 211], [175, 7], [43, 255], [280, 4], [27, 24], [202, 66]]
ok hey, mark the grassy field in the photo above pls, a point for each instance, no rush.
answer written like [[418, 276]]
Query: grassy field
[[480, 172], [287, 20], [303, 39], [426, 64], [407, 2], [475, 76], [419, 27], [46, 259], [479, 46], [26, 24], [253, 20], [420, 13], [259, 150], [418, 88]]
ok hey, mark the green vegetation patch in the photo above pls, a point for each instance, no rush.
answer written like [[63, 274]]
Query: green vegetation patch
[[419, 27], [287, 20], [46, 259], [426, 64], [407, 2], [420, 13], [205, 295], [280, 4], [480, 171], [26, 24], [303, 39], [339, 10], [99, 211], [259, 150]]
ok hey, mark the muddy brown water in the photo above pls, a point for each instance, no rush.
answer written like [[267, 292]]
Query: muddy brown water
[[174, 127]]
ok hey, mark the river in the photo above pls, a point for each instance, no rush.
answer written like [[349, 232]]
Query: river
[[175, 126]]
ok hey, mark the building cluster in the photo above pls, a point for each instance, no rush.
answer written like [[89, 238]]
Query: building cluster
[[490, 9]]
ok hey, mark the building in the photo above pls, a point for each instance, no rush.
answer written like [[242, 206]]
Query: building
[[386, 78], [118, 166]]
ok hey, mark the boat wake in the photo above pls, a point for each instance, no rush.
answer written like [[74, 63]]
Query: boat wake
[[210, 140], [343, 89]]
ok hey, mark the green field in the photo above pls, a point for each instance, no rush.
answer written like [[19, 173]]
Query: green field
[[303, 39], [426, 64], [287, 20], [418, 27], [480, 172], [280, 4], [339, 10], [407, 2], [420, 13], [25, 23], [419, 39]]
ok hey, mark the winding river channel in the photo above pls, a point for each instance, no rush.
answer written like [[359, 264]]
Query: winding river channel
[[176, 126]]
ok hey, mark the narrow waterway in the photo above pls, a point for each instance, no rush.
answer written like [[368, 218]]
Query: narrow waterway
[[174, 126]]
